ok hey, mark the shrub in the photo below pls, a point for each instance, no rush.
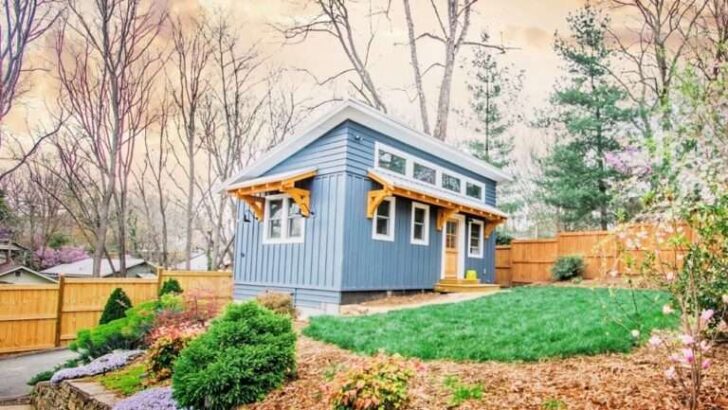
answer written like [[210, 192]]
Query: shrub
[[567, 267], [246, 353], [125, 333], [462, 392], [502, 237], [47, 374], [381, 383], [279, 302], [180, 317], [115, 307], [170, 286], [164, 352]]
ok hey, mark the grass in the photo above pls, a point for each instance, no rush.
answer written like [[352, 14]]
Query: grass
[[525, 324], [126, 381]]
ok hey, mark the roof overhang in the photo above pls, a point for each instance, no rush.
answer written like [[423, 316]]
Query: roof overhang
[[283, 182], [376, 120], [448, 203]]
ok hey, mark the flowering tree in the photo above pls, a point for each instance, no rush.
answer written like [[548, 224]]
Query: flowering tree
[[47, 257]]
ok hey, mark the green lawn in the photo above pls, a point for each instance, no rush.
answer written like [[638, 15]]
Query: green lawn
[[524, 324]]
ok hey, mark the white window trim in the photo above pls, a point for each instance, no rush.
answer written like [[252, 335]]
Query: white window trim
[[409, 171], [478, 255], [393, 213], [267, 240], [426, 227]]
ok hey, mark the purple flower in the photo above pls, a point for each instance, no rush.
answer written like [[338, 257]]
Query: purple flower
[[158, 398], [48, 257], [705, 316], [103, 364]]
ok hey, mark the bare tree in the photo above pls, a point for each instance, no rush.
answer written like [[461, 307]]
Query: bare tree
[[709, 43], [335, 20], [663, 30], [106, 66], [191, 54]]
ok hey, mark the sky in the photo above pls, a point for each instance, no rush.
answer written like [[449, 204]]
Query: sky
[[526, 26]]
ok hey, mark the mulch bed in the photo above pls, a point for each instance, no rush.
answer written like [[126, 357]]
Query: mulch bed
[[615, 381]]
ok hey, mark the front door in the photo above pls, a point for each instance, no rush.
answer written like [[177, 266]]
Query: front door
[[452, 248]]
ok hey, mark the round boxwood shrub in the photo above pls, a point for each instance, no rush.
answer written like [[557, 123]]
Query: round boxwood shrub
[[116, 306], [245, 354], [170, 286], [567, 267]]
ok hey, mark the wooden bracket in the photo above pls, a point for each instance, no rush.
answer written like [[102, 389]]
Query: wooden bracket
[[443, 214], [301, 196], [374, 199], [489, 228], [256, 204]]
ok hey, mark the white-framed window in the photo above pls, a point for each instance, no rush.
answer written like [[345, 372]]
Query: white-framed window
[[383, 221], [420, 230], [282, 220], [408, 165], [475, 239]]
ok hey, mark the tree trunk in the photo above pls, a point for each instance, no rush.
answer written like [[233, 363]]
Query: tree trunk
[[416, 67]]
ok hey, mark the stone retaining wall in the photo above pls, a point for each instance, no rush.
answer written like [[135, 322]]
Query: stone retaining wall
[[73, 395]]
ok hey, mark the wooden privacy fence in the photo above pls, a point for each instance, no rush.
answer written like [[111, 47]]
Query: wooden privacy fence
[[530, 260], [36, 317]]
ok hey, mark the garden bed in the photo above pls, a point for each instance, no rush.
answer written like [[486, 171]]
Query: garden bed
[[611, 381]]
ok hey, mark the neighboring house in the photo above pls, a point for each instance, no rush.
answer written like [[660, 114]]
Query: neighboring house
[[358, 205], [198, 261], [84, 268], [21, 275]]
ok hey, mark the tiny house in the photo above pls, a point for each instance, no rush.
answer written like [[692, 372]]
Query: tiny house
[[359, 205]]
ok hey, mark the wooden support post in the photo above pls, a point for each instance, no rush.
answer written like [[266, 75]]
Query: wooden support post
[[443, 214], [256, 204], [59, 309], [301, 197]]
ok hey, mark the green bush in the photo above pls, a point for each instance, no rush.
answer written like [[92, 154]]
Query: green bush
[[380, 384], [567, 267], [278, 302], [170, 286], [503, 237], [461, 392], [47, 374], [115, 307], [245, 354], [125, 333]]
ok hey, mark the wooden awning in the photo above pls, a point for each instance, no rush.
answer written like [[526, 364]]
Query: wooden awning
[[449, 204], [284, 182]]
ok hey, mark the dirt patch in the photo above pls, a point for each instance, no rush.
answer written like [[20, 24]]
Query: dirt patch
[[615, 381]]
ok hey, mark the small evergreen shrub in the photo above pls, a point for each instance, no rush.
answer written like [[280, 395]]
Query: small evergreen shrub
[[116, 306], [279, 302], [461, 392], [170, 286], [503, 237], [125, 333], [245, 354], [567, 267], [381, 383]]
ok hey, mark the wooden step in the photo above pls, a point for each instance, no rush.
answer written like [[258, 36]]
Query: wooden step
[[466, 287], [455, 281]]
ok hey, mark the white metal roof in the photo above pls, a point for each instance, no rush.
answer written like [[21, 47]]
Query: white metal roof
[[271, 178], [84, 267], [401, 181], [376, 120]]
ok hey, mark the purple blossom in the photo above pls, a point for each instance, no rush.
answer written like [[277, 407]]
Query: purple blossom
[[631, 161], [48, 257], [103, 364], [158, 398]]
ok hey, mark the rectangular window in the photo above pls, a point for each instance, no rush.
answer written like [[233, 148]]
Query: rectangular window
[[451, 183], [474, 190], [475, 239], [282, 220], [420, 234], [392, 162], [383, 221], [424, 173]]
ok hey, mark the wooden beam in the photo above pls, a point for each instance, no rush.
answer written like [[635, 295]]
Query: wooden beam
[[301, 197], [443, 214], [256, 204], [374, 199], [272, 185]]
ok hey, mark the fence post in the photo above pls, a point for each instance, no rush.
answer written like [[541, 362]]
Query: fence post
[[59, 308], [159, 278]]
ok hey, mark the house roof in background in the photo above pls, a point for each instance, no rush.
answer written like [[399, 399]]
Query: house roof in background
[[84, 267], [376, 120], [12, 246], [12, 269], [198, 261]]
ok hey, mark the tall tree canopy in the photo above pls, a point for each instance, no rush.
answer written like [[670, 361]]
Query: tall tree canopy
[[588, 112]]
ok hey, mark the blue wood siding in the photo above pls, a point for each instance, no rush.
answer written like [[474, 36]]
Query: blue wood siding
[[314, 264], [327, 153]]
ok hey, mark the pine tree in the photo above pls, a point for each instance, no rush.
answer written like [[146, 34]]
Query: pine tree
[[170, 286], [116, 306], [588, 109], [494, 91]]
